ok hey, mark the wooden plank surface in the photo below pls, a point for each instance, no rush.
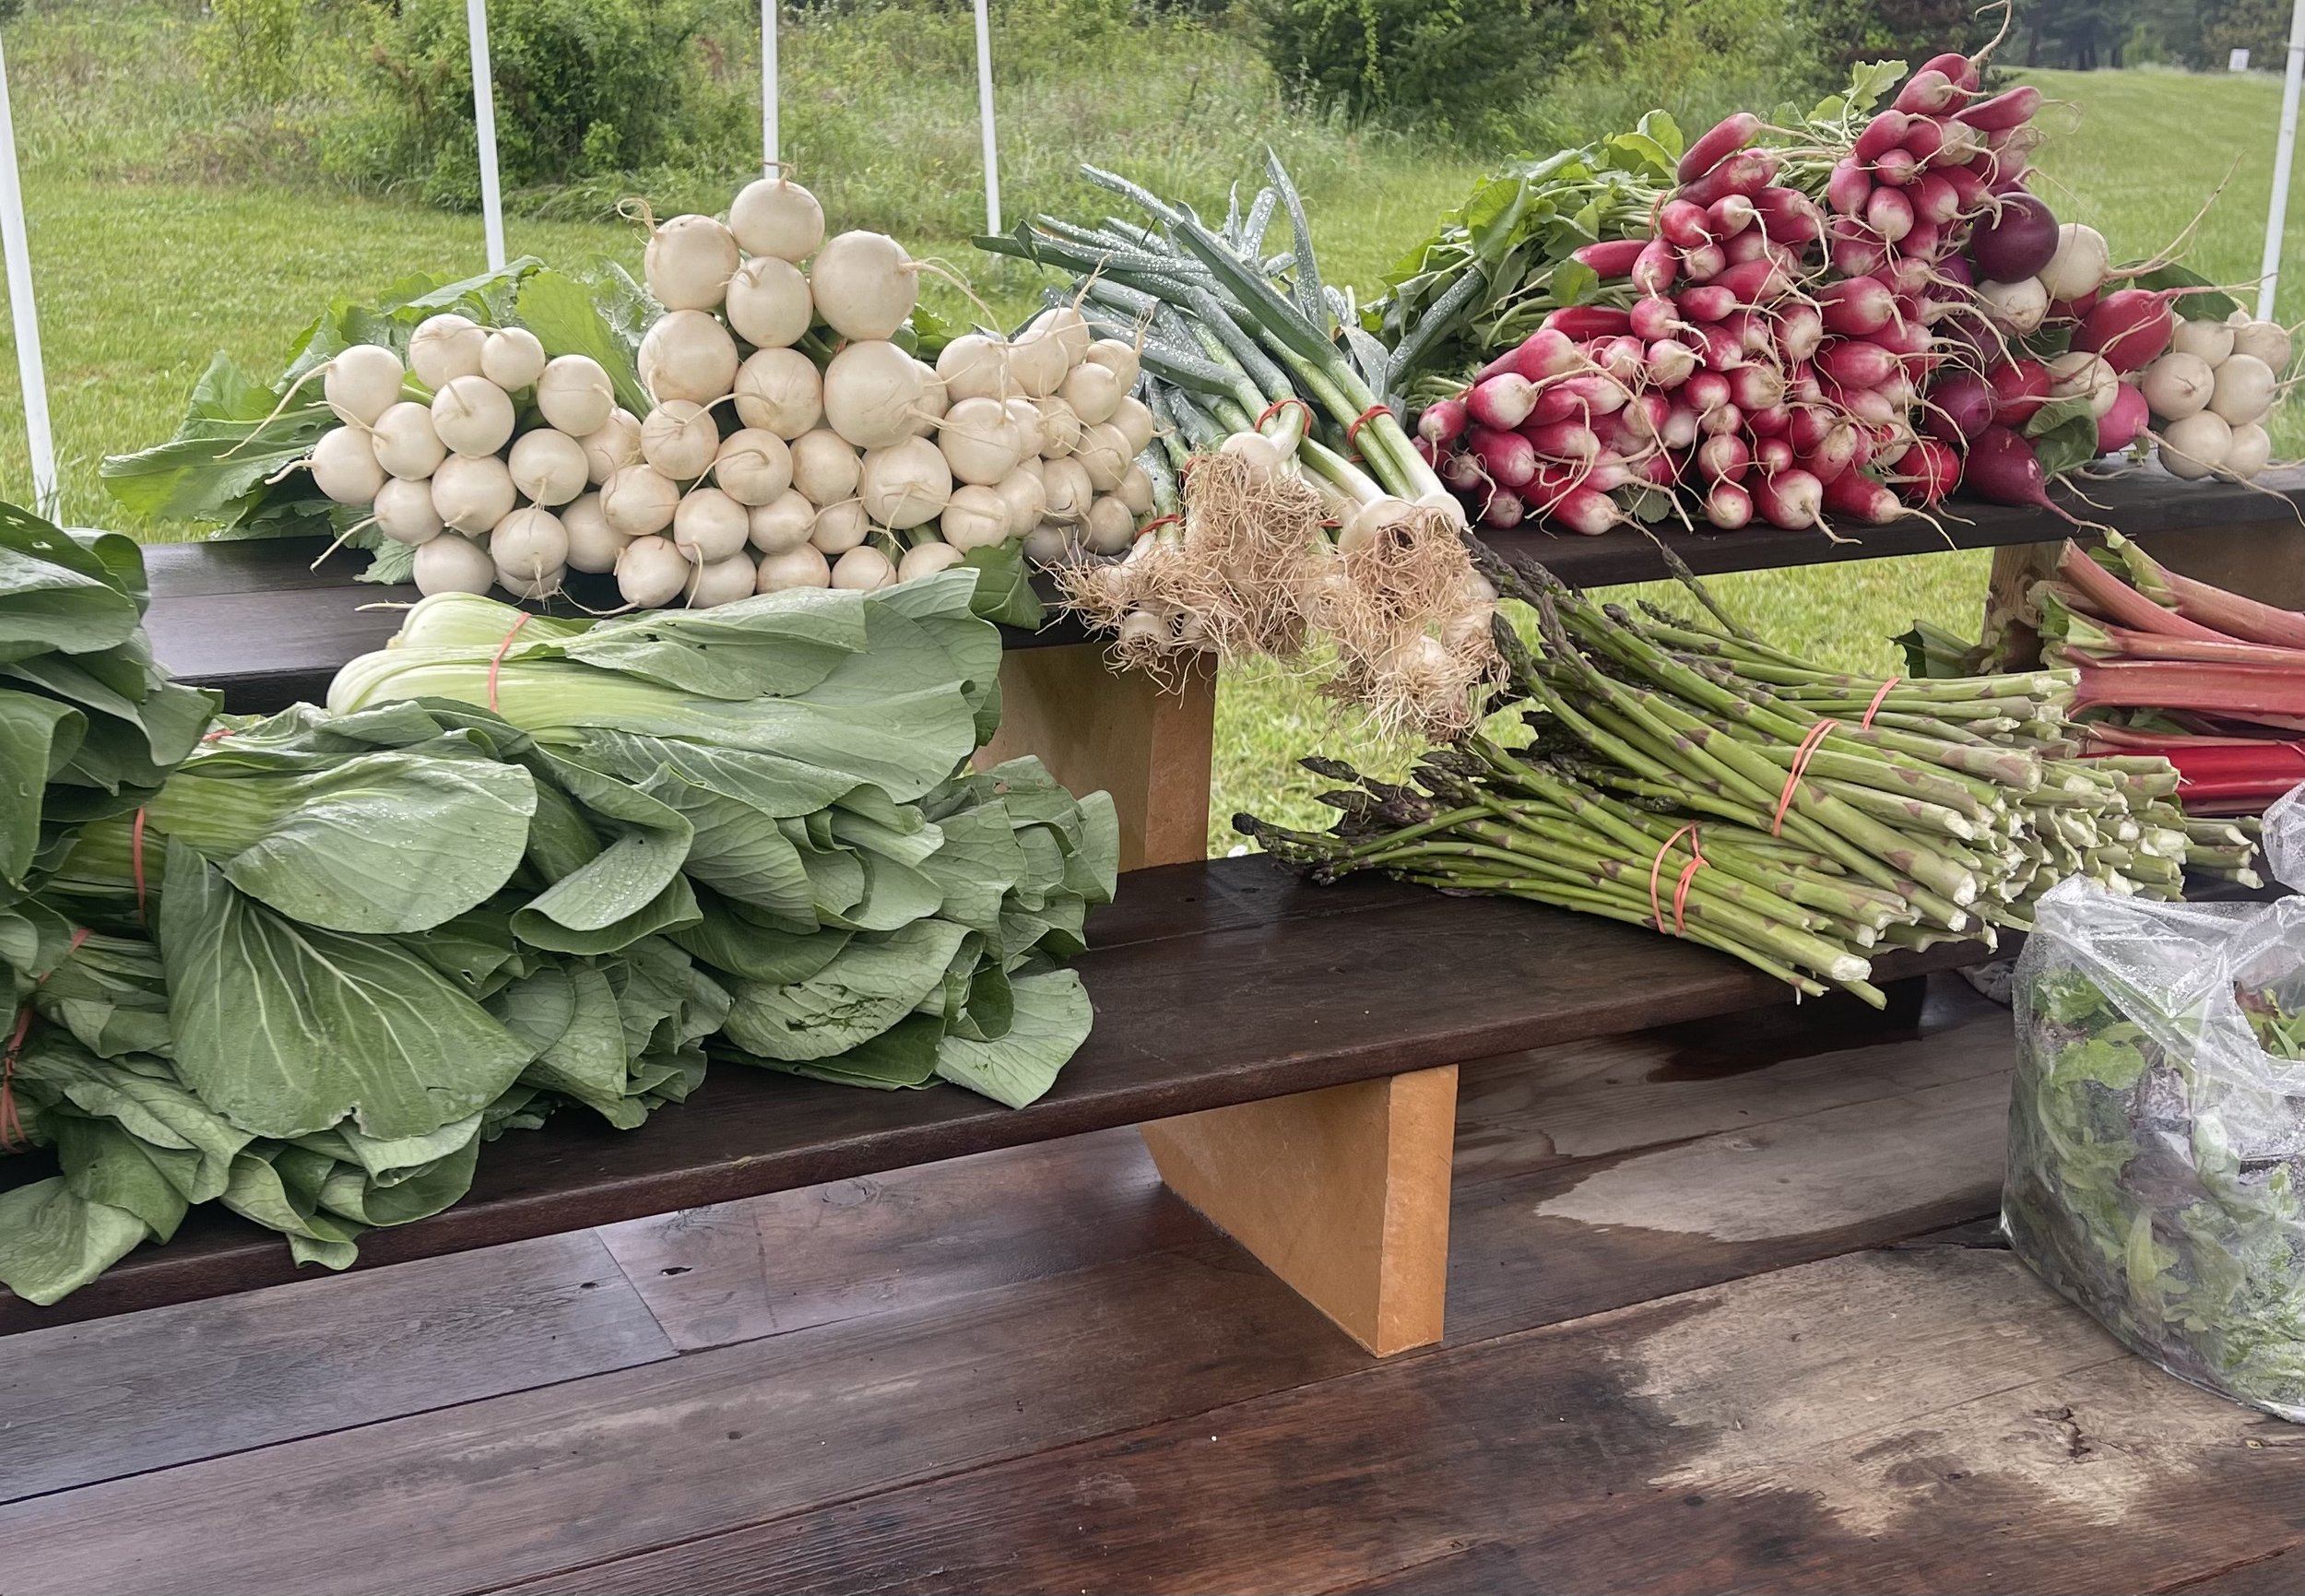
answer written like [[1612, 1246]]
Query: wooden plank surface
[[1260, 1008], [89, 1402]]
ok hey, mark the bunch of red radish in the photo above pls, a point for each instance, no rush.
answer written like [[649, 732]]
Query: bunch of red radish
[[1806, 363]]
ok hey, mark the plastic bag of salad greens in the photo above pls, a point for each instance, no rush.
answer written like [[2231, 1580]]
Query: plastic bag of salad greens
[[2156, 1126]]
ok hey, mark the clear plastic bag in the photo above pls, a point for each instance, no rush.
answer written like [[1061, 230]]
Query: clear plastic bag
[[2157, 1127]]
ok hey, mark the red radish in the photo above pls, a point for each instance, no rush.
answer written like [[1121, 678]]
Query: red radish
[[1644, 417], [1934, 198], [1856, 257], [1558, 402], [1655, 316], [1855, 363], [2016, 243], [1757, 282], [2004, 112], [1745, 172], [1721, 418], [2074, 310], [1890, 214], [2130, 328], [1808, 426], [1680, 429], [1855, 306], [1427, 450], [2125, 422], [1730, 215], [1670, 363], [1956, 67], [1623, 357], [1707, 303], [1462, 473], [1507, 458], [1750, 244], [2003, 469], [1752, 329], [1652, 268], [1904, 337], [1723, 140], [1611, 258], [1608, 473], [1722, 350], [1599, 394], [1870, 406], [1835, 453], [1547, 487], [1705, 263], [1923, 241], [1968, 185], [1799, 331], [1728, 506], [1566, 441], [1801, 385], [1849, 187], [1683, 225], [1773, 454], [1860, 498], [1503, 511], [1789, 500], [2020, 388], [1660, 469], [1930, 92], [1583, 509], [1503, 402], [1896, 168], [1589, 321], [1758, 386], [1882, 134], [1923, 139], [1907, 275], [1547, 352], [1444, 421], [1789, 216], [1706, 391], [1768, 423], [1930, 470], [1724, 457]]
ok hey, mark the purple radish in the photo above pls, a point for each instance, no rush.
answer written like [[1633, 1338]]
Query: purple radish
[[2017, 244]]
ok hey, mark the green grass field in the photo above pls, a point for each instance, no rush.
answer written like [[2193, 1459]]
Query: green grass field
[[153, 250]]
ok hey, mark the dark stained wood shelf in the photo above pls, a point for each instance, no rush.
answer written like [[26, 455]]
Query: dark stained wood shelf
[[254, 620], [1214, 984]]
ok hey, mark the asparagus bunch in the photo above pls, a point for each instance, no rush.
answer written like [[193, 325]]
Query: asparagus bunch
[[1682, 773]]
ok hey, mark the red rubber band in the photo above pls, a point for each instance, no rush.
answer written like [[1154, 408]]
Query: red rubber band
[[1278, 406], [1688, 875], [1879, 698], [135, 863], [497, 659], [1792, 777], [1151, 527], [12, 1132], [1363, 419], [1656, 869], [220, 731]]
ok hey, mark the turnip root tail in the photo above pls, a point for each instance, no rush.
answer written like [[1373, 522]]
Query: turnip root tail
[[635, 207], [341, 540], [288, 393], [952, 274]]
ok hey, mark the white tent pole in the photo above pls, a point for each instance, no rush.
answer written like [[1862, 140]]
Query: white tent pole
[[29, 365], [476, 21], [768, 85], [2276, 218], [984, 104]]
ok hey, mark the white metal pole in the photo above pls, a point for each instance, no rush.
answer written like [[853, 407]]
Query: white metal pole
[[768, 85], [984, 103], [476, 21], [29, 369], [2278, 217]]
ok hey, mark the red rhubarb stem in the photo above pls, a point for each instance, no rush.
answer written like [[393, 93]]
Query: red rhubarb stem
[[2119, 601], [2242, 690], [2249, 618]]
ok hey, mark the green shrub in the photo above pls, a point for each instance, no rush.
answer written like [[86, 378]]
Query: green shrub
[[1697, 59], [248, 51], [1453, 65]]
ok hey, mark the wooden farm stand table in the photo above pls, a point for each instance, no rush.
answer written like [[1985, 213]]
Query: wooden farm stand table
[[1290, 1053]]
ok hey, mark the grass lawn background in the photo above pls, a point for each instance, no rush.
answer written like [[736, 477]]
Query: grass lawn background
[[144, 271]]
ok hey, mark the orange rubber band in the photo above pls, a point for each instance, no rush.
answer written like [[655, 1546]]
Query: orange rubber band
[[1151, 527], [1792, 777], [1879, 698], [1680, 888], [1278, 406], [1681, 891], [1363, 419], [12, 1132], [497, 659]]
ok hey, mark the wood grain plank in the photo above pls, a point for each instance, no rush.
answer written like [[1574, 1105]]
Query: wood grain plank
[[590, 1468], [89, 1402], [2281, 1573], [1909, 1421], [890, 1243]]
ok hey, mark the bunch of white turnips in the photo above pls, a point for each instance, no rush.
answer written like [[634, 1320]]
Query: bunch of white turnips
[[756, 470], [2210, 394]]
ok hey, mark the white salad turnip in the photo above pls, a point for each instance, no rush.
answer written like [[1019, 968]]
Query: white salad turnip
[[718, 582], [688, 262], [1117, 357], [680, 439], [2207, 340], [405, 446], [1095, 393], [709, 526], [863, 569], [803, 567], [784, 522], [2016, 308], [773, 216], [779, 391], [981, 441], [472, 416], [2267, 341], [975, 517], [575, 394], [2178, 385], [2196, 446], [547, 466], [2078, 268], [1048, 544], [404, 511], [687, 354], [1060, 427], [615, 445], [1026, 497], [452, 565], [840, 526], [639, 500], [2080, 373], [927, 559], [976, 367], [872, 390], [865, 285], [593, 544], [530, 546], [934, 401], [1136, 491], [1135, 421], [2243, 389], [343, 466], [1071, 329], [824, 467], [1105, 455], [1108, 528], [769, 303], [446, 347], [472, 493], [1067, 490], [1037, 363], [753, 467], [651, 573], [362, 383], [1032, 432], [513, 359], [2249, 451], [906, 485]]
